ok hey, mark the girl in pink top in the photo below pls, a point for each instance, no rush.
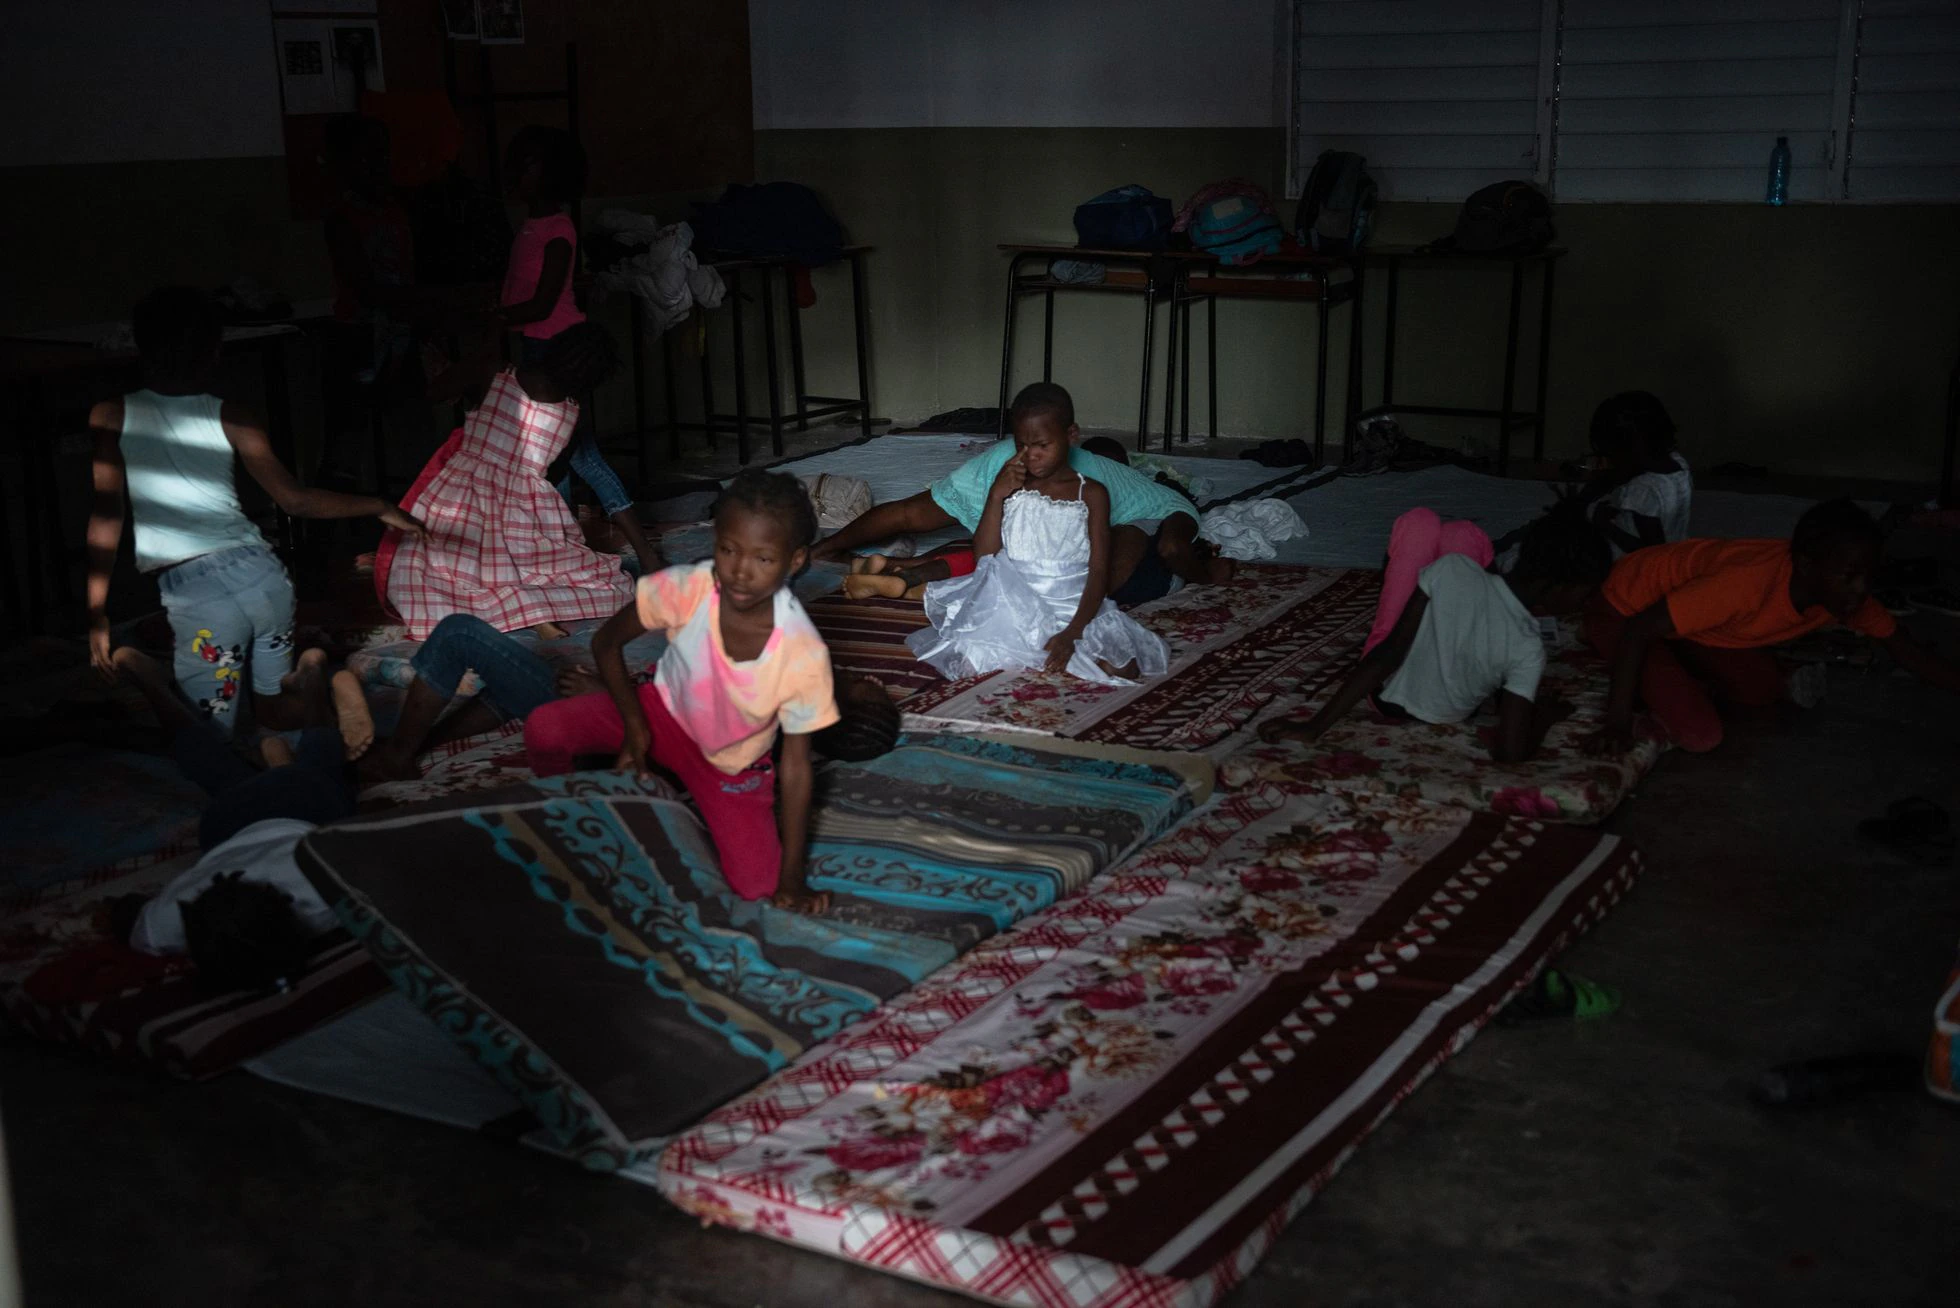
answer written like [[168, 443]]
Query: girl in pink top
[[547, 171], [743, 662]]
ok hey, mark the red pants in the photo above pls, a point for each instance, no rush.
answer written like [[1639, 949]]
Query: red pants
[[740, 811], [1676, 679]]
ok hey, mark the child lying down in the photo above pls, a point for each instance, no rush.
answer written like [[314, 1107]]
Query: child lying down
[[1456, 634]]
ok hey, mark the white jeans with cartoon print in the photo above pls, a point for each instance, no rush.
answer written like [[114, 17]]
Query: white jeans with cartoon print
[[231, 625]]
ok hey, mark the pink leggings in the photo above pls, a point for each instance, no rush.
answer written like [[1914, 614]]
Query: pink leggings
[[1417, 540], [740, 811]]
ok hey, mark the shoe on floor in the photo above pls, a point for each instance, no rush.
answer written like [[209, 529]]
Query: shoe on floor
[[1805, 685]]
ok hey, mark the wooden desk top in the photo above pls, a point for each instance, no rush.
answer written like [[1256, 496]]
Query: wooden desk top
[[1424, 252], [772, 260], [1290, 260]]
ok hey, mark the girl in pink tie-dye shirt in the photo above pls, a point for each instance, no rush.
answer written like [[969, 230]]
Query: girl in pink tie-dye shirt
[[743, 661]]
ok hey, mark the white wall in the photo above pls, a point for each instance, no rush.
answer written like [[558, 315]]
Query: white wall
[[111, 81], [1012, 63]]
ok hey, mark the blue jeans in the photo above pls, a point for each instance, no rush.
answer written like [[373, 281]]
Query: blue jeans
[[231, 613], [588, 461], [515, 680], [314, 789]]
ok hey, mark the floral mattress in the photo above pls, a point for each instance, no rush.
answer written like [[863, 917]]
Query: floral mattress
[[1122, 1100]]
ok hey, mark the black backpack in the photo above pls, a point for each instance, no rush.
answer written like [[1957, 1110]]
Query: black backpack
[[784, 219], [1502, 218], [1337, 208]]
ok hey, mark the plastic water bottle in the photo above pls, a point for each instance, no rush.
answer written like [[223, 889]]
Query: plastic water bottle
[[1779, 171]]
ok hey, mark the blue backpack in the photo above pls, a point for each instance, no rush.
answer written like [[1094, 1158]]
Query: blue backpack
[[1237, 223], [1127, 218]]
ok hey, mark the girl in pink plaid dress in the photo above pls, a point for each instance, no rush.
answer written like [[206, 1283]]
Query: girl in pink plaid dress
[[502, 546]]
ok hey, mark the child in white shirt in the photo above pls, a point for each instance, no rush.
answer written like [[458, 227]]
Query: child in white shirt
[[1643, 489], [1467, 634]]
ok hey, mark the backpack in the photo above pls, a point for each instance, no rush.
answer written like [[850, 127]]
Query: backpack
[[782, 219], [1337, 208], [1127, 218], [1502, 218], [1235, 221]]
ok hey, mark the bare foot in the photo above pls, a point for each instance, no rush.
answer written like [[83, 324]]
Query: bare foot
[[1219, 571], [573, 680], [137, 665], [1129, 671], [308, 668], [550, 631], [874, 585], [869, 563], [350, 709], [275, 753]]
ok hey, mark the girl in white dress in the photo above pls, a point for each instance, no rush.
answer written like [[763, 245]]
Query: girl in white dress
[[1037, 598]]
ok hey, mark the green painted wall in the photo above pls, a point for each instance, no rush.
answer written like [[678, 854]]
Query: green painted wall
[[1816, 339]]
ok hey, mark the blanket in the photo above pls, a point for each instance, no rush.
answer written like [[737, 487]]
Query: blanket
[[71, 810], [1233, 649], [1365, 756], [607, 975], [65, 978], [1122, 1100]]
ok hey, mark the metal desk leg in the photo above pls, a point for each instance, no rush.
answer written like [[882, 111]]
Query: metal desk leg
[[1007, 339], [638, 337], [1211, 362], [1320, 379], [769, 362], [699, 322], [279, 423], [741, 373], [1544, 361], [1357, 286], [1149, 324], [667, 382], [864, 363], [1388, 332], [37, 489], [1184, 380], [1048, 337], [1170, 372], [796, 351], [1510, 370]]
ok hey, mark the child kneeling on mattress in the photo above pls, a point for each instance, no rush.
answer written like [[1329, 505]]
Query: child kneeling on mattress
[[1463, 633], [743, 661]]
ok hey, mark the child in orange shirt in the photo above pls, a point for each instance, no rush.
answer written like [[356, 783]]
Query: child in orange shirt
[[1673, 617]]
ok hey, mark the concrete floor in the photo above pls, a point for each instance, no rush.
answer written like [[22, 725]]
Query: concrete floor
[[1618, 1163], [1612, 1164]]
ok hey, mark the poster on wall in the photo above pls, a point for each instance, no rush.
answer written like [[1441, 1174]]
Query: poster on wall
[[500, 22], [459, 19]]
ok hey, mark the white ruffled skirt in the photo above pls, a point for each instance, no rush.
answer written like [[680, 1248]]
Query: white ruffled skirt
[[1001, 616]]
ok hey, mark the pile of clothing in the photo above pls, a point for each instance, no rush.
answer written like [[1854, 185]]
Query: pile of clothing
[[665, 275]]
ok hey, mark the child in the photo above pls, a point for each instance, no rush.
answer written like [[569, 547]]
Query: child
[[171, 447], [501, 544], [517, 681], [743, 661], [1037, 596], [1419, 538], [244, 912], [1643, 486], [1467, 633], [1672, 617], [547, 172]]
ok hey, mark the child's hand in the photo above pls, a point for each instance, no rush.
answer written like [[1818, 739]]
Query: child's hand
[[1281, 729], [1012, 475], [435, 360], [1061, 648], [101, 652], [1603, 514], [801, 899], [405, 523], [633, 754]]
